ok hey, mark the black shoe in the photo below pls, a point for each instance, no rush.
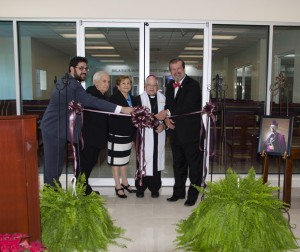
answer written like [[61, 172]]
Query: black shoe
[[189, 202], [174, 198], [154, 194], [139, 194], [89, 190], [97, 192], [128, 189], [122, 196]]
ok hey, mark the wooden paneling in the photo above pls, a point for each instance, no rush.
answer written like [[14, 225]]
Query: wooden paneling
[[19, 190]]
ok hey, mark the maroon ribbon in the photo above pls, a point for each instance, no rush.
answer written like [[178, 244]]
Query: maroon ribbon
[[142, 118], [76, 109], [209, 110]]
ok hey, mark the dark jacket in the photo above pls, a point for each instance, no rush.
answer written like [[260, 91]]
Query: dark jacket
[[55, 121], [121, 125], [187, 100], [95, 125]]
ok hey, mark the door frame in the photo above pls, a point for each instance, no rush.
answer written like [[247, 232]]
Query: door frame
[[144, 64]]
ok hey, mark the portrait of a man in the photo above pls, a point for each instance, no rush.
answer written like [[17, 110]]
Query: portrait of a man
[[275, 135], [275, 141]]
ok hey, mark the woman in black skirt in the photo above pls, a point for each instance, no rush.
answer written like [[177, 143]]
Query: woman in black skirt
[[121, 135]]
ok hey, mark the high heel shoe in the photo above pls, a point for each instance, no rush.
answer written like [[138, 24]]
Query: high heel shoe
[[128, 189], [123, 196]]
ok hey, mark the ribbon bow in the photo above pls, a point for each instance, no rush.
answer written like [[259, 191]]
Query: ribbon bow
[[176, 84], [76, 109], [142, 118]]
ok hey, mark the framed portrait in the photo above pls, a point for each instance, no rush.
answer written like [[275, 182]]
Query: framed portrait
[[275, 135]]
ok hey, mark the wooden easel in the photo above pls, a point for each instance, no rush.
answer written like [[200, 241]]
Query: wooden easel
[[265, 167]]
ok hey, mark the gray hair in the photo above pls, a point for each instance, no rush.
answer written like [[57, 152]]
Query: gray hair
[[98, 75]]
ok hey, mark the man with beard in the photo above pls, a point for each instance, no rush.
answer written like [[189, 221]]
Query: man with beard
[[55, 122]]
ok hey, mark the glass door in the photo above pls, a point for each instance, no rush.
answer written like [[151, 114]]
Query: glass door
[[138, 49], [165, 41]]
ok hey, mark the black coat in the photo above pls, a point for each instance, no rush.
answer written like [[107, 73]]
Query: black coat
[[57, 111], [121, 125], [95, 125], [187, 100]]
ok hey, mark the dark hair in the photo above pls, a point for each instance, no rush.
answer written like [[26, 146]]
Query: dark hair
[[173, 61], [74, 61]]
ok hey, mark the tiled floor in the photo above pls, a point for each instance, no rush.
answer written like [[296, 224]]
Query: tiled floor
[[150, 223]]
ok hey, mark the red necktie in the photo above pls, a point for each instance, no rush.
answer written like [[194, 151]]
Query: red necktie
[[176, 84]]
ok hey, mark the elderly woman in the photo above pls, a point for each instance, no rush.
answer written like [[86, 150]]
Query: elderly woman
[[121, 135]]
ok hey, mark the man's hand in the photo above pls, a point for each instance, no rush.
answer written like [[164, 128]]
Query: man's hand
[[170, 123], [160, 128], [161, 115], [127, 110]]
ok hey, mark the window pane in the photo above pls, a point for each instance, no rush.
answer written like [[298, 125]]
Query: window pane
[[116, 51], [285, 92], [239, 73], [7, 70], [45, 51], [167, 44]]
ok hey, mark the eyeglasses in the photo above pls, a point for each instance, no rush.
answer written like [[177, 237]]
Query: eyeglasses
[[83, 68]]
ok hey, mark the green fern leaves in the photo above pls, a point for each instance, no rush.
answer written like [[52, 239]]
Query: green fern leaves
[[76, 223], [237, 215]]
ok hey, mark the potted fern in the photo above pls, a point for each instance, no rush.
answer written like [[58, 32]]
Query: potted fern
[[237, 214], [75, 222]]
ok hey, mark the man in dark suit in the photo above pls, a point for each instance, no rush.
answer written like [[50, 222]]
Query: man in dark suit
[[55, 122], [95, 129], [183, 96]]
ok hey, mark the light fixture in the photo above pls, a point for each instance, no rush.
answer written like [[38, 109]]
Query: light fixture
[[191, 61], [190, 56], [112, 61], [289, 56], [105, 55], [72, 35], [99, 48], [195, 48], [217, 37]]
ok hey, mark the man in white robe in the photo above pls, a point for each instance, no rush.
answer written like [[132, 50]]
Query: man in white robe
[[154, 141]]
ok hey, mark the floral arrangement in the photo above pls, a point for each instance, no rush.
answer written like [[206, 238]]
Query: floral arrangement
[[237, 214], [72, 221], [19, 243]]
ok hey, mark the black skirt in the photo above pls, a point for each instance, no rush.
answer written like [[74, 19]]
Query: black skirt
[[119, 150]]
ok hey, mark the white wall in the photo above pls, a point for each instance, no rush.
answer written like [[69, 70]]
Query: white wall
[[235, 10], [46, 58]]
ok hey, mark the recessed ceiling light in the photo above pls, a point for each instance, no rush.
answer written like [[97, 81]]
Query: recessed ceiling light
[[190, 56], [217, 37], [99, 47], [91, 35], [289, 56], [191, 61], [72, 35], [105, 55], [67, 35], [111, 61], [192, 48]]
